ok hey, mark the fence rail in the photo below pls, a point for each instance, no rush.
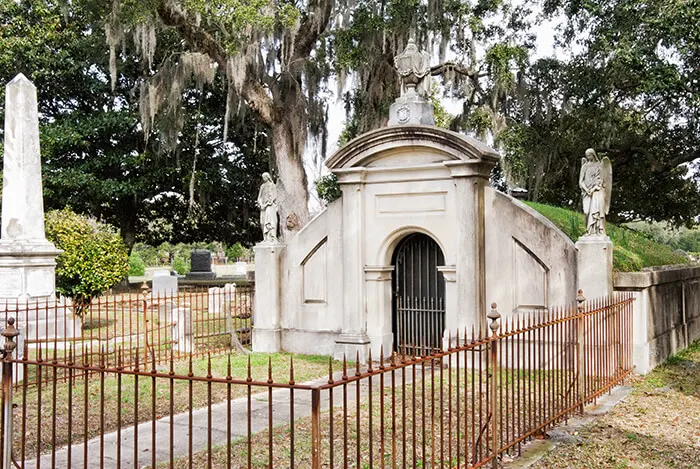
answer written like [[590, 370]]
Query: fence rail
[[142, 326], [467, 406]]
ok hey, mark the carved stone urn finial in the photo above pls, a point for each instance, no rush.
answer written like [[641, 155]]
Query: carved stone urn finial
[[413, 66]]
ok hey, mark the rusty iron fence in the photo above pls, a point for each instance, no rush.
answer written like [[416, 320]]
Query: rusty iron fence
[[470, 405], [141, 326]]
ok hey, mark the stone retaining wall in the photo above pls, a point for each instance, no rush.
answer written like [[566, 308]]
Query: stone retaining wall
[[667, 311]]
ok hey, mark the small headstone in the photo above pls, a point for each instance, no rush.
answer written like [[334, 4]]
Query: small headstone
[[164, 285], [241, 268], [182, 330], [214, 300], [221, 297], [200, 265]]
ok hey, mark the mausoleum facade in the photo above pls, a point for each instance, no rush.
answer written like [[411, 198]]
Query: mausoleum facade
[[413, 251]]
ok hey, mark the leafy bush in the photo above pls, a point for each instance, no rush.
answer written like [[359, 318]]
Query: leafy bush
[[328, 189], [148, 254], [237, 251], [137, 267], [94, 257], [181, 265]]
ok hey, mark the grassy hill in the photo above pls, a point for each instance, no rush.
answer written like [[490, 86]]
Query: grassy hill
[[633, 250]]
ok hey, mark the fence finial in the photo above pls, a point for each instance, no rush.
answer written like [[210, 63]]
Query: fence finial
[[9, 333], [494, 316], [581, 301]]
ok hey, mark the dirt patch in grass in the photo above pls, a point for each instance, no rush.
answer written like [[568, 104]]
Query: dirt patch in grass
[[658, 425]]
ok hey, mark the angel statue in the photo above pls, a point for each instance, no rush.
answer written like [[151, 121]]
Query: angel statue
[[595, 181], [267, 202]]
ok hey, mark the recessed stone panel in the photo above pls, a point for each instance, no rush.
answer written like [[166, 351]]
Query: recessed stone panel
[[40, 282], [10, 283], [314, 272], [423, 203], [530, 278]]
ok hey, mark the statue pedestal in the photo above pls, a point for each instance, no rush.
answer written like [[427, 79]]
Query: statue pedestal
[[595, 266], [266, 315], [411, 109]]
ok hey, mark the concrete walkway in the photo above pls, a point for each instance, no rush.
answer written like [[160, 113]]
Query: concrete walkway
[[180, 422]]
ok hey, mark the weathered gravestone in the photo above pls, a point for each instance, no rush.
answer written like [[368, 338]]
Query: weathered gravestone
[[164, 284], [181, 330], [221, 298], [200, 265], [164, 295]]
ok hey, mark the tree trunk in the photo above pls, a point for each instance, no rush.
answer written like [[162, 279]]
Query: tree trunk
[[127, 222], [293, 194]]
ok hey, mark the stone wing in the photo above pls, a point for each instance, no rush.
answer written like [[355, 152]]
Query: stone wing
[[606, 176]]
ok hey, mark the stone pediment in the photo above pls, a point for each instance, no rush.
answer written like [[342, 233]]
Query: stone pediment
[[410, 145]]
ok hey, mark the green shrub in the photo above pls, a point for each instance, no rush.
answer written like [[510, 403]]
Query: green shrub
[[137, 267], [147, 253], [94, 257], [234, 251], [237, 251], [327, 188], [181, 265]]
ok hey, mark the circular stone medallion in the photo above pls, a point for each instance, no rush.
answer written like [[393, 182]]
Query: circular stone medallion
[[403, 114]]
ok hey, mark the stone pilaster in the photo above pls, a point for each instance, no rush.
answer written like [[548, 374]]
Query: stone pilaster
[[353, 340], [470, 179], [449, 274], [379, 326], [266, 315]]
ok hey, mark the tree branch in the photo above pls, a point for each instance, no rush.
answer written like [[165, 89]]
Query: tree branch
[[658, 167], [682, 158], [252, 91], [195, 35], [313, 26], [451, 66]]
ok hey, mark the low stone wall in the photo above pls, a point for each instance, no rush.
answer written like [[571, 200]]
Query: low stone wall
[[666, 311]]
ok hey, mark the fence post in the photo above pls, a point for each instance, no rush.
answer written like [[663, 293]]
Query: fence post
[[316, 428], [146, 325], [494, 316], [580, 368], [10, 332]]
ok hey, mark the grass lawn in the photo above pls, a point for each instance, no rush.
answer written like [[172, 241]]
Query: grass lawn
[[658, 425], [633, 251]]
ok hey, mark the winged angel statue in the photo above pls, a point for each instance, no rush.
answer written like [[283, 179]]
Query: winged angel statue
[[595, 181]]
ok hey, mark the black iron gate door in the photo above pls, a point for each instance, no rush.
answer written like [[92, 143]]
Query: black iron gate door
[[418, 318]]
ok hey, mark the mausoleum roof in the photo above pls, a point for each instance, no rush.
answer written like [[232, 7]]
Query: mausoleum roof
[[369, 146]]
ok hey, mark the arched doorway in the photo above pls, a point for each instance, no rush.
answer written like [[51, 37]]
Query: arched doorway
[[418, 316]]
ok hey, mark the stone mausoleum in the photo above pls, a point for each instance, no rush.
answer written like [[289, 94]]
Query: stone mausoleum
[[417, 246]]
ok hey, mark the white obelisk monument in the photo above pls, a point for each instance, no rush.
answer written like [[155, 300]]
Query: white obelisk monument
[[27, 258]]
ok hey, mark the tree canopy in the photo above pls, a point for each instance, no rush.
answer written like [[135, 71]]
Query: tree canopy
[[159, 115], [632, 93], [95, 155]]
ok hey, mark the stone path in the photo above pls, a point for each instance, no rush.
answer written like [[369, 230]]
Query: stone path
[[259, 422]]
